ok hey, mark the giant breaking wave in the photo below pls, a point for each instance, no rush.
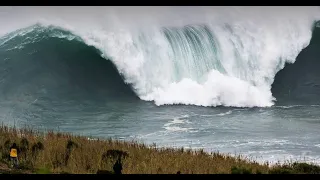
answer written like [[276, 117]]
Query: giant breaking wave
[[200, 56]]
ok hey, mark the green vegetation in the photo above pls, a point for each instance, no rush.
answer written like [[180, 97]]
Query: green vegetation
[[43, 171]]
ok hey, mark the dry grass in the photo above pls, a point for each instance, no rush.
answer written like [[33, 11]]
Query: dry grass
[[85, 156]]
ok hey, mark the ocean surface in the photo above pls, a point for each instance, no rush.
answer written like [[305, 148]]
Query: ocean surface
[[239, 80]]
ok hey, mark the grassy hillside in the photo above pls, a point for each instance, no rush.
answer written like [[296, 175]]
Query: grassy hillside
[[64, 153]]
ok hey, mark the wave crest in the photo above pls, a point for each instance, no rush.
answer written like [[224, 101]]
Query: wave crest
[[209, 63]]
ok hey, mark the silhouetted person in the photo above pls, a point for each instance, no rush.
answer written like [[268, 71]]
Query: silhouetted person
[[14, 155], [178, 172], [117, 167]]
